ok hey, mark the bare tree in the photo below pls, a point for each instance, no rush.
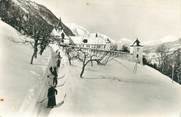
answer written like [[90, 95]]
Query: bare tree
[[88, 55], [170, 62], [35, 50], [92, 56], [41, 39], [162, 51], [177, 62], [36, 36]]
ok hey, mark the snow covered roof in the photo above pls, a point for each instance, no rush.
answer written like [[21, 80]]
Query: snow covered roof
[[57, 33], [91, 40], [76, 39]]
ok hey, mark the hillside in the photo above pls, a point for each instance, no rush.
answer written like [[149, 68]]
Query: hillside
[[18, 78], [174, 45], [25, 16]]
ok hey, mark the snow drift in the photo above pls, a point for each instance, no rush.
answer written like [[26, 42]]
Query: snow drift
[[19, 80]]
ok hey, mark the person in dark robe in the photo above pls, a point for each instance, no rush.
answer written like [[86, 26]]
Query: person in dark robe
[[55, 81], [58, 55], [57, 51], [51, 97], [54, 72], [51, 70], [62, 36], [58, 62]]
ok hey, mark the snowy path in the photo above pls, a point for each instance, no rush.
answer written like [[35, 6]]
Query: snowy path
[[62, 82]]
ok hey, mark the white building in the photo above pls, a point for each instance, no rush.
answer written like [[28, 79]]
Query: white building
[[138, 54], [90, 42]]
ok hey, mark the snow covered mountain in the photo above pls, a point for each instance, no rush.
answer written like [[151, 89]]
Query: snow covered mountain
[[171, 45], [165, 39], [78, 30], [26, 16], [125, 41]]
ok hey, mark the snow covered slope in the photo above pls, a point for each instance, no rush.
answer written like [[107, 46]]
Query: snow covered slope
[[172, 45], [115, 91], [17, 77], [78, 30], [26, 16]]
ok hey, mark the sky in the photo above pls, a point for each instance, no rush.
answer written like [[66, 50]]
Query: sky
[[149, 20]]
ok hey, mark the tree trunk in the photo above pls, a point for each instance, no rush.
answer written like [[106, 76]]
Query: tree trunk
[[82, 72], [70, 63], [83, 67], [32, 58], [35, 51], [69, 58], [91, 62]]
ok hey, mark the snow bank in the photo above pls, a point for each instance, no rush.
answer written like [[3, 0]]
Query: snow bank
[[19, 80]]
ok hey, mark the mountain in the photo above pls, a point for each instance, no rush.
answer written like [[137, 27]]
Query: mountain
[[172, 45], [125, 41], [27, 16], [78, 30]]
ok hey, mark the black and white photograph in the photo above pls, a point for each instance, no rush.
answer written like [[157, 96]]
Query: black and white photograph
[[90, 58]]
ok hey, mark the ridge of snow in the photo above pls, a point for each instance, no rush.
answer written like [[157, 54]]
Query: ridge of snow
[[18, 79]]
